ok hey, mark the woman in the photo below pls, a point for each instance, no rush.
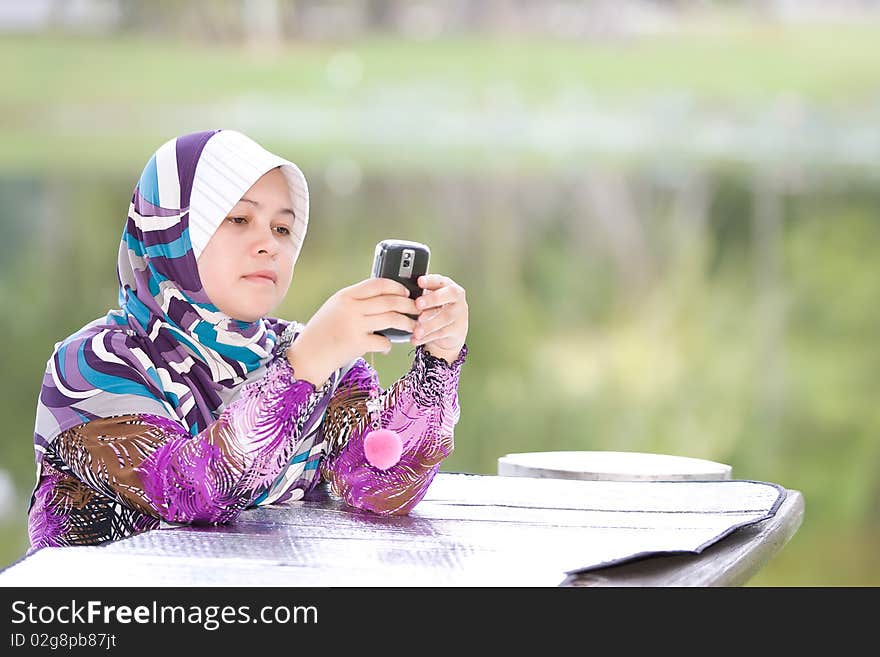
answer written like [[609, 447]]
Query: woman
[[190, 403]]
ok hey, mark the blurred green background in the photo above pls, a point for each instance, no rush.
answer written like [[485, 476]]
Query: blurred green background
[[665, 214]]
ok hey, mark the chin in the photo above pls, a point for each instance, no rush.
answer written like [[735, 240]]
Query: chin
[[250, 316], [256, 309]]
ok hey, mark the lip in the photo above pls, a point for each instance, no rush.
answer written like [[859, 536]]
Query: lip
[[264, 275]]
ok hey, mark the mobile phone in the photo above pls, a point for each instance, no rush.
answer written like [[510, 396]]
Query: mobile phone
[[403, 261]]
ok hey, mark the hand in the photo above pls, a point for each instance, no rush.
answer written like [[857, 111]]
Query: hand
[[343, 328], [443, 320]]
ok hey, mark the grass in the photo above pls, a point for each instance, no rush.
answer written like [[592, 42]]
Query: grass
[[830, 64], [102, 102]]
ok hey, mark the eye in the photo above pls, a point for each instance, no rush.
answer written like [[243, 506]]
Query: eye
[[284, 230], [236, 220]]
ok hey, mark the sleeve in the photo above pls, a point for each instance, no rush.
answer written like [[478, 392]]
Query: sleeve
[[422, 407], [151, 463]]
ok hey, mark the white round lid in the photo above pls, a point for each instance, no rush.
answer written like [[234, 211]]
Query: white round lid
[[612, 466]]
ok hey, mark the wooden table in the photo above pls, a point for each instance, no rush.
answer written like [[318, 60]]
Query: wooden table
[[470, 530]]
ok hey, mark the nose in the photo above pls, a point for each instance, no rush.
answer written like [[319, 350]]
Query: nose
[[264, 241]]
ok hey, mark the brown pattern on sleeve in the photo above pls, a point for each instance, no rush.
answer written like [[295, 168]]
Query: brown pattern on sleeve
[[347, 411], [66, 511], [106, 452]]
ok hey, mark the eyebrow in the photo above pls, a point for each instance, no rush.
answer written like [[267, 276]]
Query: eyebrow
[[283, 210]]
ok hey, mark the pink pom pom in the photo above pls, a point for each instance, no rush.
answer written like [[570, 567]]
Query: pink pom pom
[[383, 448]]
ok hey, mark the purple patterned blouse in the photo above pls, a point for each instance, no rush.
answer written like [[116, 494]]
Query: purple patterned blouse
[[113, 477]]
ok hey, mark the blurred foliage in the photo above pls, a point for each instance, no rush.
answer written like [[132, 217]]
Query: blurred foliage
[[658, 304]]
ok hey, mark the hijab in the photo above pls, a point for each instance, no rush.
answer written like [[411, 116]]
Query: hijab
[[167, 350]]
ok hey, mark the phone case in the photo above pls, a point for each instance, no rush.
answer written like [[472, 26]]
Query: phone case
[[403, 261]]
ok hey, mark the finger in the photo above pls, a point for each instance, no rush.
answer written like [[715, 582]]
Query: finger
[[435, 299], [373, 287], [430, 319], [386, 303], [439, 334], [428, 331], [433, 281], [378, 343], [390, 320]]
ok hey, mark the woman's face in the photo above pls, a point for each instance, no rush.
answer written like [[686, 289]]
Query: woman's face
[[247, 266]]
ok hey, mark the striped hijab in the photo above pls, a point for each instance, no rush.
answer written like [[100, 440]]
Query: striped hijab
[[167, 350]]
